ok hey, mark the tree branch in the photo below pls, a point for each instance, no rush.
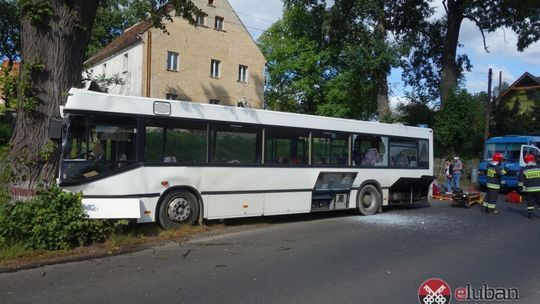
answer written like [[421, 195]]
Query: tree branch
[[445, 7], [473, 19]]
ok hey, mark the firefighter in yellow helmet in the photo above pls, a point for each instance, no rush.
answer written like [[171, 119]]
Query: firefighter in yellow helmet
[[494, 172], [529, 183]]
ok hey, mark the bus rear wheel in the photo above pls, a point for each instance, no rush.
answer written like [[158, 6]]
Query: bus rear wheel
[[178, 208], [369, 200]]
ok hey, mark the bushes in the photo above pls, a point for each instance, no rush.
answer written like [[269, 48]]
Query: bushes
[[52, 220]]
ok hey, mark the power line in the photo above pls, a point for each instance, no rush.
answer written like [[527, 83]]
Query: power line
[[256, 17]]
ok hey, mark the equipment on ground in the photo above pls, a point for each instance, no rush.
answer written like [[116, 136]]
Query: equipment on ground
[[466, 199]]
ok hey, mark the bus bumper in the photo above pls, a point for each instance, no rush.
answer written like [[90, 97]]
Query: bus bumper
[[112, 208]]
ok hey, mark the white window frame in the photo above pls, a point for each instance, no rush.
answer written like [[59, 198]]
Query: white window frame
[[172, 61], [125, 63], [215, 68], [242, 73], [201, 20], [218, 23]]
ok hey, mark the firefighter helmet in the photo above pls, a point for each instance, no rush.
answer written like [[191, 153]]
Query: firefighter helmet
[[529, 158], [498, 157]]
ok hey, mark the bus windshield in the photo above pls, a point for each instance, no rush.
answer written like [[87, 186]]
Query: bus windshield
[[95, 145], [510, 151]]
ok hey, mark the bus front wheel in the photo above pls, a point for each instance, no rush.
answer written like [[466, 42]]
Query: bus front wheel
[[178, 208], [369, 200]]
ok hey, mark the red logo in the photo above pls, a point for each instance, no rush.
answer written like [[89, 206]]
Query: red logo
[[434, 291]]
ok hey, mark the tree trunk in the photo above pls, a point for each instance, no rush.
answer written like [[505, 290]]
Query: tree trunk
[[58, 42], [450, 69], [383, 104]]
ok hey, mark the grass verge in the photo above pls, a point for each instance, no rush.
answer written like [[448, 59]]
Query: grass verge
[[135, 237]]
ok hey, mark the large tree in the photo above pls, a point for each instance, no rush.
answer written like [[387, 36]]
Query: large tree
[[459, 125], [334, 59], [55, 35], [436, 61]]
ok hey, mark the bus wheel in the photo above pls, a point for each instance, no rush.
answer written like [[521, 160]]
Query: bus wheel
[[178, 208], [369, 200]]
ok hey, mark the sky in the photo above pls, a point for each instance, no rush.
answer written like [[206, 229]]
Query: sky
[[503, 56]]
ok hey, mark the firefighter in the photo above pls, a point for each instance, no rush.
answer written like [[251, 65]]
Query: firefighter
[[494, 172], [529, 183]]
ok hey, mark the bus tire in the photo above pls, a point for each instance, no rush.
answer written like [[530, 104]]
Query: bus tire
[[369, 200], [178, 208]]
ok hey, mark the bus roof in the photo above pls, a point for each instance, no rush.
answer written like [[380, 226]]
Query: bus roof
[[83, 100], [514, 139]]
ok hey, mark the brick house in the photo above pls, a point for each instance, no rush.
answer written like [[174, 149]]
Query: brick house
[[525, 90], [215, 62]]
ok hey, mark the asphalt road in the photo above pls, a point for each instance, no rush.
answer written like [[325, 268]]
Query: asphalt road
[[321, 258]]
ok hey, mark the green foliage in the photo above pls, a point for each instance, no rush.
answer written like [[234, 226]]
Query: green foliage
[[6, 122], [52, 220], [47, 150], [416, 112], [114, 16], [104, 83], [19, 90], [508, 121], [459, 125], [9, 85], [10, 42], [37, 11], [330, 59]]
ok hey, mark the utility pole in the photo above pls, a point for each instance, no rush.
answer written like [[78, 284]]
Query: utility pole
[[500, 87], [488, 109]]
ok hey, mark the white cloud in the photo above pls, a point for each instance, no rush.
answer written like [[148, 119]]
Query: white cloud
[[396, 100], [501, 43]]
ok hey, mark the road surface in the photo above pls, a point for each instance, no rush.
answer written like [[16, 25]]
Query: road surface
[[321, 258]]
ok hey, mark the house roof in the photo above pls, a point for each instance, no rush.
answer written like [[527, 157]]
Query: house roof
[[527, 81], [14, 70], [128, 38]]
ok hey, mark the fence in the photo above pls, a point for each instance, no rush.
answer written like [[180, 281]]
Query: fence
[[468, 165]]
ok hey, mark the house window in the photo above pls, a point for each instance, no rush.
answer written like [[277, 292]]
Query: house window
[[104, 69], [242, 73], [172, 61], [214, 68], [125, 63], [218, 25], [171, 96], [201, 20], [210, 2], [214, 101]]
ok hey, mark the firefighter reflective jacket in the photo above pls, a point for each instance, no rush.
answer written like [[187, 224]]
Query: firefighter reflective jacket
[[529, 177], [494, 173]]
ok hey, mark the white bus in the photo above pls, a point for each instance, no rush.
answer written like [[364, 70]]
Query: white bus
[[178, 162]]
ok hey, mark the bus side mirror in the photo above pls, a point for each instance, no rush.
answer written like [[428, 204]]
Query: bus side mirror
[[55, 127]]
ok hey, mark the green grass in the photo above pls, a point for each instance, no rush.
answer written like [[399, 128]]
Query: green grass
[[16, 251], [131, 237]]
